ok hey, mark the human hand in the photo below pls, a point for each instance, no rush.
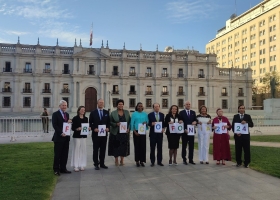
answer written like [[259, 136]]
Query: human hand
[[181, 121], [186, 131], [194, 123], [243, 122], [89, 128], [153, 123], [69, 121], [118, 124], [171, 122], [135, 132], [63, 134], [209, 122], [96, 130], [107, 130]]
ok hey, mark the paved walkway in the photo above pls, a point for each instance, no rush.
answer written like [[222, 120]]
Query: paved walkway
[[168, 182]]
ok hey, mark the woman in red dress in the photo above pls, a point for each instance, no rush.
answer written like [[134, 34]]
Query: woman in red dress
[[221, 150]]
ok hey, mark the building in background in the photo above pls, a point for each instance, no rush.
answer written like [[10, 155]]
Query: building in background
[[251, 40], [36, 76]]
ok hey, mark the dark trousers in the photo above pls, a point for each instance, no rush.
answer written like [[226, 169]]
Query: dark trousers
[[61, 150], [187, 140], [99, 149], [156, 141], [139, 148], [242, 141]]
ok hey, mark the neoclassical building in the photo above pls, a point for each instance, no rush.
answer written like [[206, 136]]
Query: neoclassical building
[[36, 76]]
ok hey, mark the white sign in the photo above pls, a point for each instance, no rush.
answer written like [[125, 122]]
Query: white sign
[[66, 128], [102, 130], [180, 128], [123, 127], [142, 129], [176, 128], [85, 127], [220, 128], [190, 130], [241, 128], [207, 128], [158, 127]]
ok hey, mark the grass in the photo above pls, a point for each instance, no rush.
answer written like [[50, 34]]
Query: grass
[[266, 138], [26, 171], [263, 159]]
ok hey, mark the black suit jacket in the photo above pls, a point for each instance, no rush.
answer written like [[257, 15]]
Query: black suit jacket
[[152, 118], [188, 120], [246, 117], [94, 120], [57, 122]]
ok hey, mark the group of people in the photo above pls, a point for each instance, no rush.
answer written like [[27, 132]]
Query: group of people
[[119, 142]]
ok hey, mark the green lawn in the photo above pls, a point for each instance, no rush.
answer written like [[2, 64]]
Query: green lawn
[[266, 138], [26, 171], [263, 159]]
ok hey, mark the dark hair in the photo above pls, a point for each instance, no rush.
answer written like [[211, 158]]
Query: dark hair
[[203, 106], [156, 103], [78, 111], [45, 108], [137, 106], [240, 106], [119, 101], [218, 110], [170, 110]]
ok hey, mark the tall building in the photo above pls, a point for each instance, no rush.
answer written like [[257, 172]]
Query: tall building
[[250, 40], [36, 76]]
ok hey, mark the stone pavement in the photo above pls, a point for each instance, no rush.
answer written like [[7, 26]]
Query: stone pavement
[[169, 182]]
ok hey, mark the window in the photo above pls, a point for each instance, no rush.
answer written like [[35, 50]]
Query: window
[[240, 92], [66, 69], [27, 88], [46, 102], [47, 68], [201, 91], [201, 73], [115, 71], [164, 103], [7, 87], [148, 103], [132, 89], [164, 72], [46, 88], [66, 99], [115, 89], [149, 90], [65, 88], [115, 102], [6, 102], [132, 71], [7, 67], [27, 68], [224, 91], [26, 101], [132, 103], [164, 90], [240, 102], [91, 70], [149, 72], [181, 74], [224, 104], [272, 58], [181, 103], [180, 90]]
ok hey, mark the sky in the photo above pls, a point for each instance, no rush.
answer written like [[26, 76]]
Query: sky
[[181, 24]]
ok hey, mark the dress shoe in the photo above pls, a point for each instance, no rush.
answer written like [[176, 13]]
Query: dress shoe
[[185, 163], [237, 165], [103, 166], [152, 165], [175, 163], [65, 171], [201, 162], [192, 162], [160, 164], [170, 162], [137, 164], [96, 168], [57, 173], [142, 164], [76, 169], [207, 163], [82, 169], [246, 166]]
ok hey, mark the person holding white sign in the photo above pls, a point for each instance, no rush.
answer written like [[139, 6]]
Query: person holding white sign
[[221, 150], [157, 128], [203, 120], [119, 145], [79, 151], [139, 117], [242, 140], [173, 138]]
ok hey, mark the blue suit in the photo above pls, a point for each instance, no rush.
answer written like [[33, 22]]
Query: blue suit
[[155, 138], [188, 120]]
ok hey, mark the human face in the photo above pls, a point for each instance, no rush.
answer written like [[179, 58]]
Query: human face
[[220, 113], [140, 107], [203, 110], [63, 106], [100, 104], [241, 109], [187, 105], [174, 110], [120, 106], [156, 107], [82, 111]]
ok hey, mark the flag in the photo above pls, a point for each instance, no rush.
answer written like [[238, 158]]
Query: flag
[[90, 40]]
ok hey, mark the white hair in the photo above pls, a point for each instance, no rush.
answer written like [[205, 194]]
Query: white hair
[[62, 101]]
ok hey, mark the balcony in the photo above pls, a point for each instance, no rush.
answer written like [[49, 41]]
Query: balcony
[[164, 75], [65, 71], [149, 74], [132, 74], [164, 93], [115, 92], [180, 93], [7, 69], [46, 91], [65, 90], [240, 94], [27, 70], [132, 92], [149, 92], [27, 90], [6, 90], [115, 73], [224, 94], [180, 75], [47, 71], [201, 93], [201, 75], [91, 72]]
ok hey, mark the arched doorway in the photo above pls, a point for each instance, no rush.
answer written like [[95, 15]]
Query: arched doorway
[[90, 99]]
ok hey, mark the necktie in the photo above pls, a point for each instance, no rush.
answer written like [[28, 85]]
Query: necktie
[[101, 114], [64, 116], [157, 117], [188, 113], [241, 117]]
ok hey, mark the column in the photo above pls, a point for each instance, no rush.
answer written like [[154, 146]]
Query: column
[[73, 97], [36, 95], [56, 94]]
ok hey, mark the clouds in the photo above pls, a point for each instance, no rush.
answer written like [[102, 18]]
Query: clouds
[[183, 11]]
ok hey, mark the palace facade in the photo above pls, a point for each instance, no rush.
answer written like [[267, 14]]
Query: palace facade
[[36, 76]]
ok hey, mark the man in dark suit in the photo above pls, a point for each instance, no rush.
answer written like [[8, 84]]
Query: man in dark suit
[[189, 118], [156, 137], [242, 140], [61, 141], [100, 116]]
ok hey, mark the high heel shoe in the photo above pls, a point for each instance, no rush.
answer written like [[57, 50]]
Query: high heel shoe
[[121, 163], [116, 163], [218, 162]]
